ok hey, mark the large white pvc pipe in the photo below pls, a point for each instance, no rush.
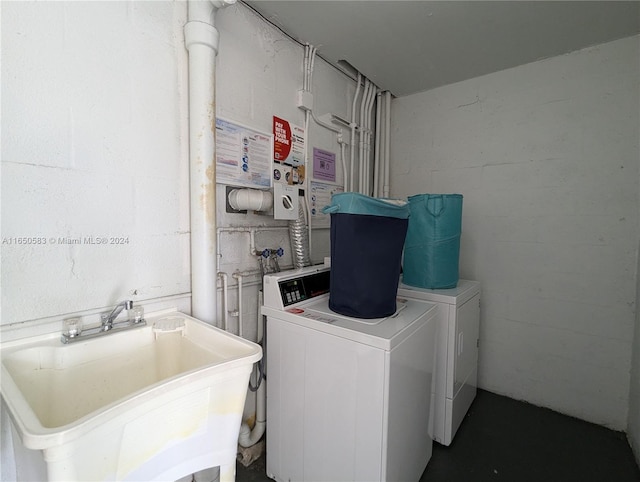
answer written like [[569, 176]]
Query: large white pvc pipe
[[250, 199], [201, 40]]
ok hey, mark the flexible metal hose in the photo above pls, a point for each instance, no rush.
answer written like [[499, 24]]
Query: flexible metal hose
[[299, 237]]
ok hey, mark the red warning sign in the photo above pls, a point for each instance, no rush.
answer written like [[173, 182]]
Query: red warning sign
[[281, 139]]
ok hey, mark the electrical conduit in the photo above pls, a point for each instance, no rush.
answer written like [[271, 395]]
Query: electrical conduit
[[367, 144], [363, 127], [353, 125], [377, 159], [387, 138]]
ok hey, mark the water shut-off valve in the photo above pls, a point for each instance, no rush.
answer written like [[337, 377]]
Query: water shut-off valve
[[271, 253]]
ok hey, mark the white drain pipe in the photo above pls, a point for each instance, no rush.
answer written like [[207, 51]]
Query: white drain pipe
[[201, 41], [249, 437]]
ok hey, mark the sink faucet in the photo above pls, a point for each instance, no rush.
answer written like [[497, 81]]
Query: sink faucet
[[107, 320], [108, 324]]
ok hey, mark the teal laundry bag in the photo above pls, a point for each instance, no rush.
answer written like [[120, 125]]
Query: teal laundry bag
[[367, 236], [432, 246]]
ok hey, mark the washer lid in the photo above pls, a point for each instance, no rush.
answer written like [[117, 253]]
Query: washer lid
[[454, 296], [384, 333]]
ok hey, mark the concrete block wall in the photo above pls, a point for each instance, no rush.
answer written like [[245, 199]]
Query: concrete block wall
[[259, 71], [546, 156], [97, 146], [633, 426], [95, 204]]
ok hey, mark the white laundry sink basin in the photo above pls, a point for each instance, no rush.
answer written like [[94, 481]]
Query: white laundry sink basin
[[153, 403]]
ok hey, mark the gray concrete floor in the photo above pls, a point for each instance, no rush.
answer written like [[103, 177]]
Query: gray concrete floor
[[506, 440]]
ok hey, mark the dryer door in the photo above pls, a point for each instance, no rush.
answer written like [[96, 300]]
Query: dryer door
[[466, 348]]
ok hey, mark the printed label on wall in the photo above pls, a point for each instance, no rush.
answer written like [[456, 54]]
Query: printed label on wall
[[288, 152], [320, 197], [243, 155], [324, 165]]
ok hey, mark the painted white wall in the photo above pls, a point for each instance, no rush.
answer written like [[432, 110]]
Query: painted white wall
[[94, 131], [633, 427], [546, 156], [259, 72], [98, 146], [95, 143]]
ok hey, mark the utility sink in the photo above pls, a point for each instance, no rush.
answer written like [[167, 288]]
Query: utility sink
[[153, 403]]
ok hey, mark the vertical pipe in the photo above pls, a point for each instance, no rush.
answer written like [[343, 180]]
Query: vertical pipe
[[370, 134], [225, 299], [363, 129], [387, 137], [305, 246], [353, 126], [201, 40], [344, 164], [377, 158], [237, 275], [367, 139]]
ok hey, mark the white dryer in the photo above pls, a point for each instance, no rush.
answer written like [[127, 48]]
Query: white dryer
[[456, 353], [347, 398]]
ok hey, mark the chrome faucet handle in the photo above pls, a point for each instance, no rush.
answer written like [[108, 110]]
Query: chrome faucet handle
[[107, 320]]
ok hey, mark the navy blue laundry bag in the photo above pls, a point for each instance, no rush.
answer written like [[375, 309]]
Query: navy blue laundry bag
[[432, 246], [367, 238]]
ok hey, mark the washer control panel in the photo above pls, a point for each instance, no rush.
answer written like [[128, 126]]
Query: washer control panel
[[287, 288], [304, 288]]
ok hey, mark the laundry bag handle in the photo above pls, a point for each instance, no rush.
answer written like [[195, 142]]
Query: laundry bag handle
[[435, 208]]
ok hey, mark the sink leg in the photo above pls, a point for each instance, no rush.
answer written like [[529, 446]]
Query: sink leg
[[228, 472], [224, 473]]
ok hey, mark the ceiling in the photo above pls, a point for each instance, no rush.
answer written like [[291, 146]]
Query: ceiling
[[413, 46]]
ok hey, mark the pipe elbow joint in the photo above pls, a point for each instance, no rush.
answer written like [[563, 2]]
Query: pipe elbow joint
[[247, 437]]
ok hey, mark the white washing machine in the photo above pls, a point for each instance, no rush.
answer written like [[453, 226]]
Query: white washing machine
[[348, 399], [456, 353]]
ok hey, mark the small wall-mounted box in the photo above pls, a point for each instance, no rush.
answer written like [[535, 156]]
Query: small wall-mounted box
[[285, 201]]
